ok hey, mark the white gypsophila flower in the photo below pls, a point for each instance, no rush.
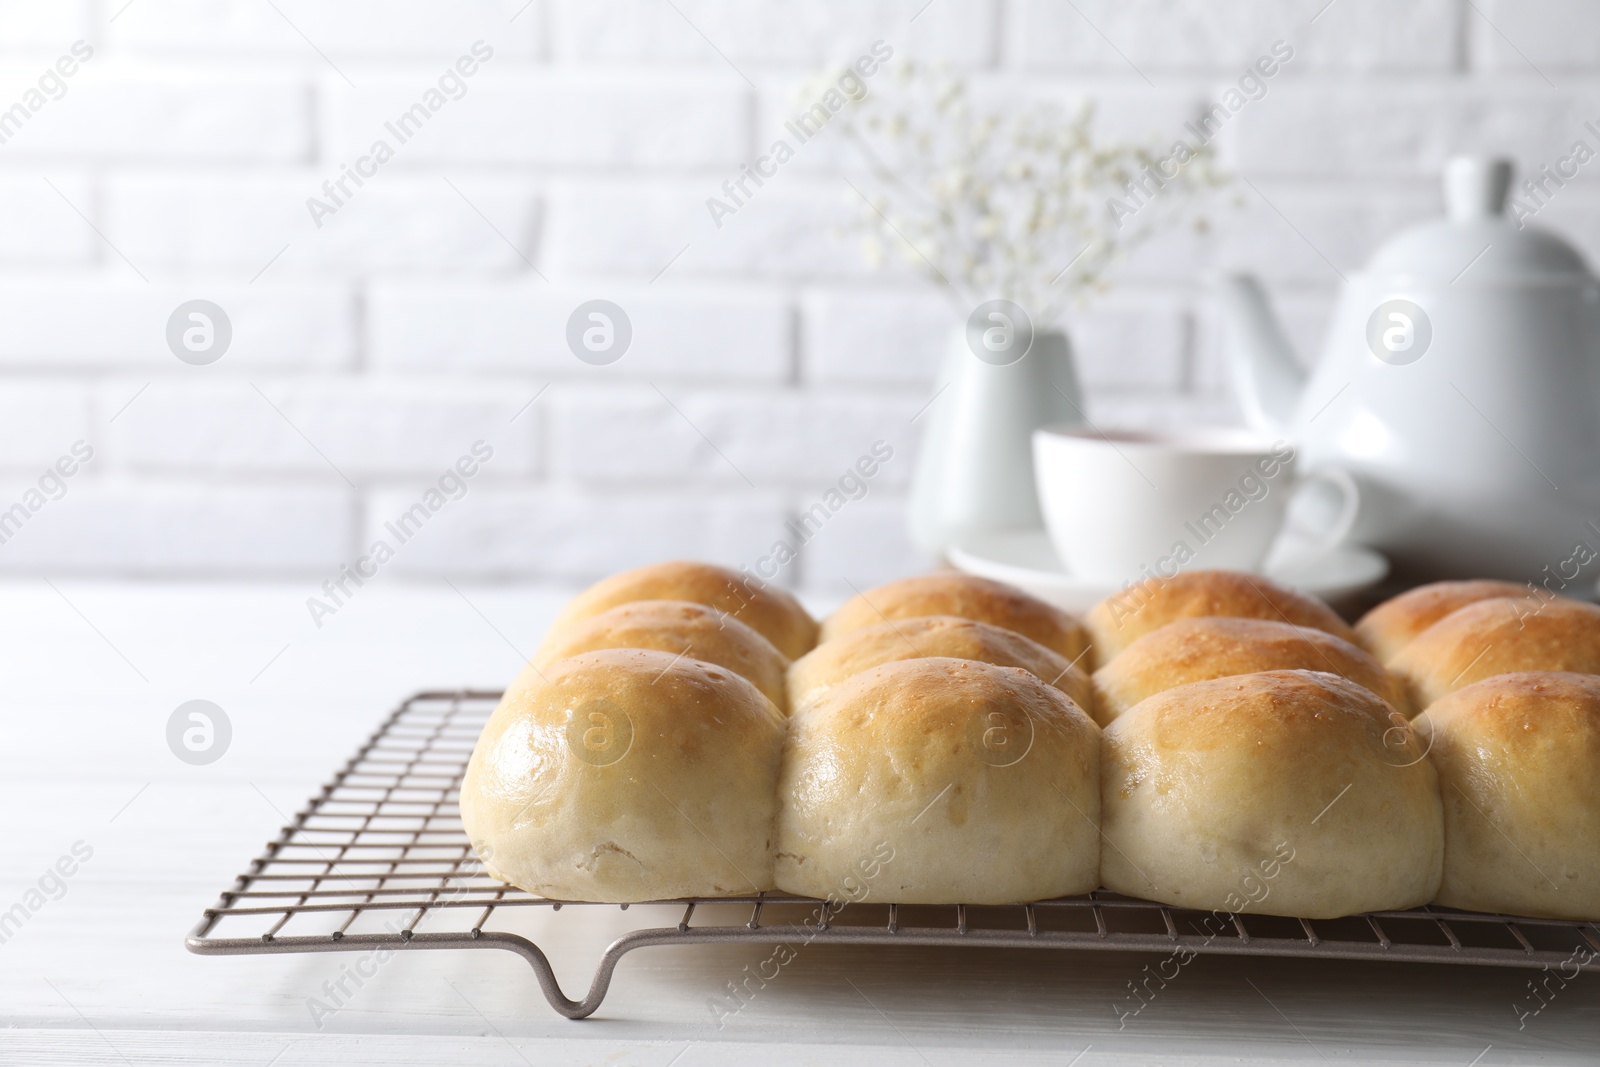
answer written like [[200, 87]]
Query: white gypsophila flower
[[1000, 201]]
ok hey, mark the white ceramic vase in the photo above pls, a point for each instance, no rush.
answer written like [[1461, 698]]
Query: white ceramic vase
[[974, 473]]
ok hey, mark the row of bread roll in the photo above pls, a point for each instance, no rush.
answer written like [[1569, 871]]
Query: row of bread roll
[[1250, 748], [935, 726], [981, 782], [1204, 781], [1282, 792], [643, 751], [636, 756], [1505, 674], [1507, 679], [1441, 637], [941, 722], [1518, 756]]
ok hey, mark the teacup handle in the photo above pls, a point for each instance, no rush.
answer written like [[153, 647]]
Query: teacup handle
[[1309, 545]]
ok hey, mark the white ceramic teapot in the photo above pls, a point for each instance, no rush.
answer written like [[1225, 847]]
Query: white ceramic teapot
[[1460, 385]]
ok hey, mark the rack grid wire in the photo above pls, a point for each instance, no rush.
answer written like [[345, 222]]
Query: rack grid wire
[[383, 842]]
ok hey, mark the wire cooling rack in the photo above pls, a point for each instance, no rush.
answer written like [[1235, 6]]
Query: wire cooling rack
[[379, 859]]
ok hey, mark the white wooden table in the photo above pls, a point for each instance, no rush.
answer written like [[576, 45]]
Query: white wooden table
[[93, 671]]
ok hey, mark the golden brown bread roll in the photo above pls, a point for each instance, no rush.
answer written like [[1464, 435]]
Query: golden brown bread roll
[[679, 627], [1518, 757], [1194, 650], [1122, 618], [965, 596], [1497, 636], [948, 781], [831, 662], [1392, 625], [766, 609], [626, 775], [1280, 793]]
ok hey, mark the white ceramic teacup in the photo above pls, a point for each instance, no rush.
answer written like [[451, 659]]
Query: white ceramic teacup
[[1127, 505]]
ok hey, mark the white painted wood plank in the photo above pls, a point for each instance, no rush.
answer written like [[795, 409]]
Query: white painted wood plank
[[231, 1049]]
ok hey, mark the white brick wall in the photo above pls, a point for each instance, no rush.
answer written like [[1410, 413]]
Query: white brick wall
[[82, 321], [728, 332], [1162, 36], [430, 309]]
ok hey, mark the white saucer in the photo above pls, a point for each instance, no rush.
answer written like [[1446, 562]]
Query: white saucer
[[1027, 560]]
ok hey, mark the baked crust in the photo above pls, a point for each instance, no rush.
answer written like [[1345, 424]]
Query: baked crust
[[1196, 650], [1124, 617], [766, 609], [1395, 623], [979, 783], [830, 663], [1498, 636], [965, 596], [1518, 757], [1282, 793], [683, 629], [626, 775]]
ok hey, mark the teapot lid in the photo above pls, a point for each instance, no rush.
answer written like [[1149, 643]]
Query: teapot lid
[[1475, 240]]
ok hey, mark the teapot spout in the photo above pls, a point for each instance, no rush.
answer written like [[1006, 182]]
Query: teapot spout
[[1266, 378]]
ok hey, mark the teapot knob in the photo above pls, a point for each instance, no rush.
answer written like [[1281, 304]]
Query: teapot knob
[[1475, 187]]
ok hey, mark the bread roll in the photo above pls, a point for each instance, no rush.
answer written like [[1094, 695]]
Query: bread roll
[[1122, 618], [967, 597], [1194, 650], [1281, 793], [766, 609], [940, 781], [831, 662], [626, 775], [682, 628], [1518, 757], [1497, 636], [1392, 625]]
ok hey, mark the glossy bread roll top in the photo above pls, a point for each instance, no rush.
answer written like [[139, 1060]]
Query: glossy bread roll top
[[1195, 650], [832, 662], [766, 609], [681, 628], [1282, 793], [948, 780], [1124, 617], [1498, 636], [1395, 623], [624, 775], [967, 597], [1518, 757]]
